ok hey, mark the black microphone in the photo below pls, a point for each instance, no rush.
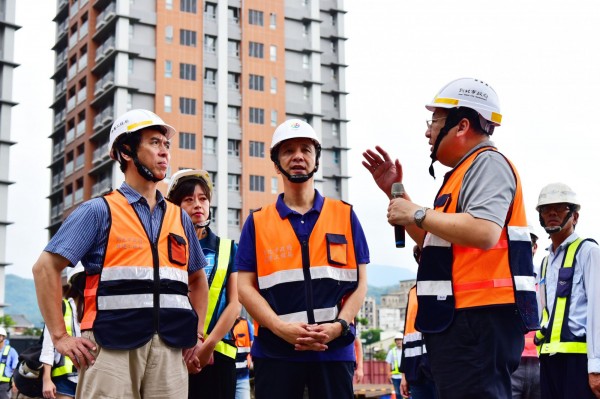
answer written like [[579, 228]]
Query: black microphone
[[399, 232]]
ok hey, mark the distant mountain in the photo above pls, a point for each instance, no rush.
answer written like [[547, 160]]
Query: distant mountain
[[20, 296], [386, 276]]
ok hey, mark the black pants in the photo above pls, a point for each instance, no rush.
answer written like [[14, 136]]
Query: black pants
[[475, 356], [565, 376], [216, 381], [286, 380]]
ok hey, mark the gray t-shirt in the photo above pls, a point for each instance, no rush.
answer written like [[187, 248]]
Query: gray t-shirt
[[488, 187]]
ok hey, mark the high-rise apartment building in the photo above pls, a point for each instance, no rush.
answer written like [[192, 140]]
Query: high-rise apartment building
[[223, 73], [7, 65]]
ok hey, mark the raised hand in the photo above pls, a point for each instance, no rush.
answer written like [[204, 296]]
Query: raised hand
[[384, 171]]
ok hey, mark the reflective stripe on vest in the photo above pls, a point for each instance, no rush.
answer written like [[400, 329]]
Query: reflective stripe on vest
[[3, 361], [414, 353], [455, 277], [557, 324], [215, 292], [143, 286], [65, 365], [241, 332]]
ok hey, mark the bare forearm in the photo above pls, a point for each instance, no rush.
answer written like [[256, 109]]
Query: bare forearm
[[462, 229], [47, 278], [230, 313]]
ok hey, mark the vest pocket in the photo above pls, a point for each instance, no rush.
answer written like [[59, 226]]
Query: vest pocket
[[337, 246], [177, 249], [565, 282]]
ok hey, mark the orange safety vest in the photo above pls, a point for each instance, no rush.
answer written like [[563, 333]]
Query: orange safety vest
[[143, 286], [306, 281], [453, 277], [241, 333], [415, 361]]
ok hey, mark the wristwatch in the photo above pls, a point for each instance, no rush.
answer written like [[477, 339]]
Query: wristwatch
[[420, 216], [345, 326]]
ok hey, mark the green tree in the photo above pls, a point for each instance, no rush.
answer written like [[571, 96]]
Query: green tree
[[34, 332], [6, 321], [371, 335]]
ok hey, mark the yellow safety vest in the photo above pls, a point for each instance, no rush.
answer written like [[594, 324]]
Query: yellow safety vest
[[3, 361], [215, 291], [396, 364], [555, 324], [65, 365]]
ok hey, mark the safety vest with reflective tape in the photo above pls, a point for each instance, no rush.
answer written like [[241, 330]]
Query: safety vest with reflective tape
[[452, 276], [560, 339], [241, 332], [65, 365], [3, 361], [415, 361], [396, 361], [305, 281], [143, 286], [219, 277]]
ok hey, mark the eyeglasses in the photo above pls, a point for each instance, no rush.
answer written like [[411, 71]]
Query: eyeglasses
[[556, 208], [430, 122]]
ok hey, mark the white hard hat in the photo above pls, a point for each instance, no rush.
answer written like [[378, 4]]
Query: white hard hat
[[469, 93], [188, 174], [73, 271], [556, 193], [132, 121], [532, 231], [292, 129], [3, 331], [399, 336]]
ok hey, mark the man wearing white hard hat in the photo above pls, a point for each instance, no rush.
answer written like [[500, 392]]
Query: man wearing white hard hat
[[141, 258], [302, 277], [569, 340], [393, 359], [8, 362], [475, 284]]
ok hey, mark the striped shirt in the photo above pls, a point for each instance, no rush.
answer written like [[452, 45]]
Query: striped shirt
[[83, 235]]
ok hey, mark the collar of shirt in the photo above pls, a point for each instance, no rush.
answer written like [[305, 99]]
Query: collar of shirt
[[285, 211], [209, 243], [133, 196], [487, 143], [563, 244]]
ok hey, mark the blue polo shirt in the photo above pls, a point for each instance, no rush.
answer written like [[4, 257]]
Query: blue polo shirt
[[245, 260], [84, 234]]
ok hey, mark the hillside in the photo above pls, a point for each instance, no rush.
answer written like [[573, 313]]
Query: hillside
[[21, 299]]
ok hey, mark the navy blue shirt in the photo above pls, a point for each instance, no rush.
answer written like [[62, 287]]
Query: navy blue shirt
[[84, 234], [303, 225]]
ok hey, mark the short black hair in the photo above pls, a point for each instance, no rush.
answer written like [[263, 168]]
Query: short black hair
[[187, 187], [455, 115]]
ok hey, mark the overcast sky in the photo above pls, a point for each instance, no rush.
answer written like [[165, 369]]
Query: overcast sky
[[541, 57]]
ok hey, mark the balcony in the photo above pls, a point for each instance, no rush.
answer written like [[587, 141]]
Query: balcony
[[81, 95], [58, 179], [106, 81], [70, 104], [80, 128], [59, 118], [105, 15], [68, 201], [73, 40], [61, 58], [56, 211], [60, 88], [79, 161], [58, 149], [69, 168], [103, 186], [82, 64], [78, 195], [103, 118], [72, 72], [70, 136], [100, 153], [105, 48]]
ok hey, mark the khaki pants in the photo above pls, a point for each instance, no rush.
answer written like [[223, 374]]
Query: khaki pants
[[152, 371]]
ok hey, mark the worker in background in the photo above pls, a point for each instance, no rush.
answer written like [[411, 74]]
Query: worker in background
[[417, 382], [393, 359], [475, 284], [569, 340], [243, 332], [8, 362], [302, 265]]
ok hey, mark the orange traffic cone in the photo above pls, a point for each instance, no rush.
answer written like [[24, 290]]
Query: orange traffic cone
[[393, 395]]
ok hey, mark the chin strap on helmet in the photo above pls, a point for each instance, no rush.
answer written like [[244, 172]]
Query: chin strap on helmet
[[142, 170], [556, 229], [296, 178], [204, 224]]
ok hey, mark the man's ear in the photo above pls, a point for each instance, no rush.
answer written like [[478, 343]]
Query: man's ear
[[125, 152]]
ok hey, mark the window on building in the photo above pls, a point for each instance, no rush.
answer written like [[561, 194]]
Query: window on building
[[187, 37], [233, 48], [305, 61], [274, 185], [273, 53], [210, 77], [169, 34], [257, 183], [168, 104], [257, 115], [209, 146], [187, 106], [233, 147], [336, 156], [129, 101], [256, 50], [257, 149], [187, 71], [273, 21], [131, 31], [233, 114], [169, 4], [273, 117], [334, 73], [255, 17], [305, 29], [233, 14], [334, 46], [257, 82], [168, 69], [188, 6], [305, 92], [210, 44], [334, 129], [273, 85], [333, 18], [233, 81], [187, 141], [213, 211], [210, 10], [210, 111], [335, 101], [213, 179], [130, 64], [233, 217], [233, 182]]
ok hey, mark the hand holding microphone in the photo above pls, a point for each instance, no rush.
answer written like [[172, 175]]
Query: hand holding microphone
[[399, 232]]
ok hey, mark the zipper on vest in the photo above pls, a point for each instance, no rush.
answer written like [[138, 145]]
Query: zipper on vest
[[307, 282], [156, 293]]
